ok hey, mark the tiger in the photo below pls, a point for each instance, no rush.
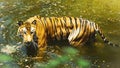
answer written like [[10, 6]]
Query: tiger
[[37, 31]]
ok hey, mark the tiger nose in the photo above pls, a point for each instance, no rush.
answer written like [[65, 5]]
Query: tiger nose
[[28, 43]]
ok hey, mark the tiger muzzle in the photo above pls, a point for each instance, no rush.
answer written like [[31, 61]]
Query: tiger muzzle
[[28, 43]]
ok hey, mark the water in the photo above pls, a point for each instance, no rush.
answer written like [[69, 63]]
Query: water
[[105, 13]]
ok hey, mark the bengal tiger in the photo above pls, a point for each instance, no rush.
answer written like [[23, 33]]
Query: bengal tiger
[[37, 31]]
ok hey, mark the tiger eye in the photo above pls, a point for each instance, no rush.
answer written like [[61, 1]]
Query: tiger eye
[[31, 32], [24, 32]]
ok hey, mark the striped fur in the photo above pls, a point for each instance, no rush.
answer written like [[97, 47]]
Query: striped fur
[[76, 30]]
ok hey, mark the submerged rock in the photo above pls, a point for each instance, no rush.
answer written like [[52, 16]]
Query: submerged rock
[[8, 49]]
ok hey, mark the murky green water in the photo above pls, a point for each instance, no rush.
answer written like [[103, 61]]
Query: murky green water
[[104, 12]]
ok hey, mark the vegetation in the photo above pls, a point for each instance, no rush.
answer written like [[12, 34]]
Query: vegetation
[[68, 60]]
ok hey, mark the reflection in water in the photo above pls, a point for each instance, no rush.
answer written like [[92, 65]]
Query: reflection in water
[[105, 13]]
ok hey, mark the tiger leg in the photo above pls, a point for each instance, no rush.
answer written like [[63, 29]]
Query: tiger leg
[[73, 37], [80, 36], [73, 34], [42, 46]]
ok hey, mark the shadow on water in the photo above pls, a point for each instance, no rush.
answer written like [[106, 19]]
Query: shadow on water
[[105, 13]]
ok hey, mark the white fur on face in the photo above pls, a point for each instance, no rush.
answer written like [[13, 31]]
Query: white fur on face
[[32, 29], [24, 29]]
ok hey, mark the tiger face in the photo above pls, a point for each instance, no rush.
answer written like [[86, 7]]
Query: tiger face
[[27, 30]]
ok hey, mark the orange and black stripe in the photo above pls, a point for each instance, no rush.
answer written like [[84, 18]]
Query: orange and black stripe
[[77, 29]]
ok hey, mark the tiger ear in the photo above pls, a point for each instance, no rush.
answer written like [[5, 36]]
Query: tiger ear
[[20, 23], [34, 22]]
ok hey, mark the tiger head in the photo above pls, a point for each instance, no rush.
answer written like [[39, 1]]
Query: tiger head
[[27, 30]]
